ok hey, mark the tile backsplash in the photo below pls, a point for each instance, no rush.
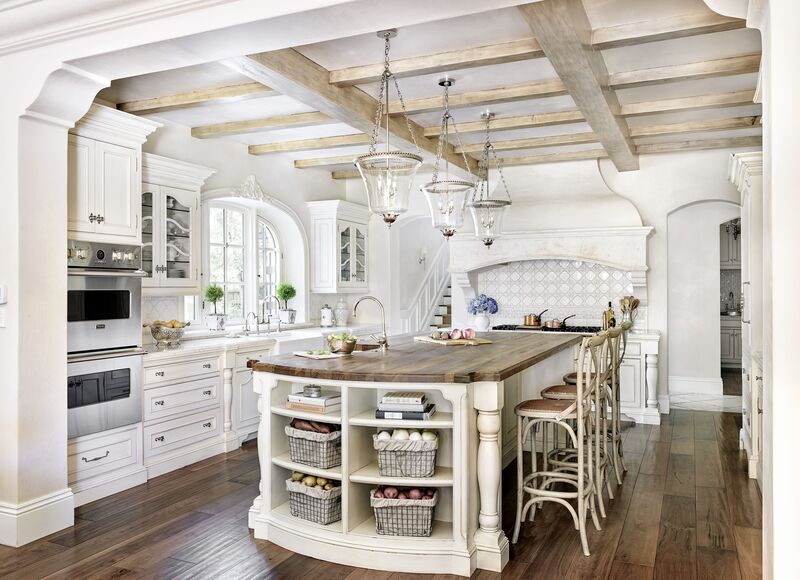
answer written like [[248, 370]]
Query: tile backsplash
[[162, 308], [564, 287], [729, 281]]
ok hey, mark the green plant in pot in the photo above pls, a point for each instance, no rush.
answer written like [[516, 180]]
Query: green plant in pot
[[284, 293], [213, 294]]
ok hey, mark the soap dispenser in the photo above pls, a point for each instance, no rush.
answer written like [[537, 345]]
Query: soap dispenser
[[326, 316]]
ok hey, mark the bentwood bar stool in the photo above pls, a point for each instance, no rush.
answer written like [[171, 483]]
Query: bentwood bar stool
[[546, 483]]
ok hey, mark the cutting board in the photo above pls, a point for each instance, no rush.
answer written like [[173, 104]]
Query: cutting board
[[305, 354], [454, 341]]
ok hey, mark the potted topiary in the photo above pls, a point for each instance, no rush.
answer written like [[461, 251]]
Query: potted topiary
[[214, 293], [284, 293]]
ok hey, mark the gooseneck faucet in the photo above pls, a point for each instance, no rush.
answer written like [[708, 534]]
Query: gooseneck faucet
[[383, 339], [266, 317]]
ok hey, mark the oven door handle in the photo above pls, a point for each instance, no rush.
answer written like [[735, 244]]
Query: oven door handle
[[117, 353], [107, 273]]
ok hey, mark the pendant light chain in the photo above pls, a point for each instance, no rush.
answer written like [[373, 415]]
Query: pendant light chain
[[383, 93], [487, 148], [442, 149]]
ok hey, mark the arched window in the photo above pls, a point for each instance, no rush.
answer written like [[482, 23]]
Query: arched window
[[226, 258], [267, 266]]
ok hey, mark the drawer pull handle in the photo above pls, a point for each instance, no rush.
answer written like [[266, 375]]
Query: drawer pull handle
[[207, 365], [160, 438], [96, 458], [207, 393], [159, 403], [207, 425], [159, 373]]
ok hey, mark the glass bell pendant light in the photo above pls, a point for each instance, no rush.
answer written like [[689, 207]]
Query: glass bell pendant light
[[388, 176], [447, 198], [487, 211]]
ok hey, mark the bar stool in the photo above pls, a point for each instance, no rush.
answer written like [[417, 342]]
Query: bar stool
[[558, 414], [564, 457]]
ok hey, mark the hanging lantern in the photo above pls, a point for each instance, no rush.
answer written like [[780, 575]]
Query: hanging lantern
[[447, 198], [388, 176], [487, 211]]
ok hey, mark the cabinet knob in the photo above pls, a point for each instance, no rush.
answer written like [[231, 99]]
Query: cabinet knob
[[207, 393], [100, 219], [207, 425], [159, 438], [159, 403], [159, 373], [207, 366], [92, 217]]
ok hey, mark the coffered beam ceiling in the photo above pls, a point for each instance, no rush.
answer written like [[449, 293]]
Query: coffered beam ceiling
[[298, 77], [562, 28], [736, 65], [697, 144], [309, 144], [529, 48], [264, 124], [213, 96], [696, 103]]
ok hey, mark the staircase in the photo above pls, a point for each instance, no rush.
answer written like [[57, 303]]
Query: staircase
[[443, 315]]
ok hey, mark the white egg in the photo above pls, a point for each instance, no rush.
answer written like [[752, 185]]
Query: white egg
[[400, 434], [429, 435], [415, 436], [384, 436]]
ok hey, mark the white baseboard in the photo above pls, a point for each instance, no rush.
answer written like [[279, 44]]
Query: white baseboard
[[161, 464], [702, 385], [31, 520], [109, 483]]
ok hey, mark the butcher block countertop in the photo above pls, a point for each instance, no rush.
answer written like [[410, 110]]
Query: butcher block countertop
[[408, 361]]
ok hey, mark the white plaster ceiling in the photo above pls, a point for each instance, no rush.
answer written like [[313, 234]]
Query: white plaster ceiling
[[490, 27]]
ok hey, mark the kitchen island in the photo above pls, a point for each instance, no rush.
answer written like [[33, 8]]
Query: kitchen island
[[474, 388]]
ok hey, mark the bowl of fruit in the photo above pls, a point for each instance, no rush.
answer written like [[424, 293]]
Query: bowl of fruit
[[167, 333], [343, 343]]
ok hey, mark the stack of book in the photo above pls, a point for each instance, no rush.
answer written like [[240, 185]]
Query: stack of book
[[327, 402], [413, 406]]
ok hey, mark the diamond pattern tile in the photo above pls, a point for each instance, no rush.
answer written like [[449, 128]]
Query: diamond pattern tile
[[562, 286]]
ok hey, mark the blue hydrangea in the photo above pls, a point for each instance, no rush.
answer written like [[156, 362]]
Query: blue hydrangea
[[482, 303]]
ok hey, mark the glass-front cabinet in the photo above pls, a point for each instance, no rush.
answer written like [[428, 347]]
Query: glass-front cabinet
[[171, 225], [352, 254], [340, 246]]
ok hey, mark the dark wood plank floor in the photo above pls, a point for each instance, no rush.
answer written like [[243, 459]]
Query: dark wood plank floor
[[685, 511]]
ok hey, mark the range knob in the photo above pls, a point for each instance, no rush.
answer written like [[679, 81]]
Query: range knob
[[116, 256], [80, 253], [128, 256], [100, 255]]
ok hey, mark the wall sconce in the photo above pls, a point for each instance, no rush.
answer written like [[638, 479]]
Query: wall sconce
[[423, 257]]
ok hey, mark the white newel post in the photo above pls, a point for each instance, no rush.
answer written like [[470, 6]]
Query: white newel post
[[490, 541], [651, 361]]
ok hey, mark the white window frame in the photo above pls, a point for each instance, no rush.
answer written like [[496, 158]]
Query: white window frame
[[250, 293], [258, 220]]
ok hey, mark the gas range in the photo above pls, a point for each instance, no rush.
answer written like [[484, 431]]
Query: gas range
[[574, 329]]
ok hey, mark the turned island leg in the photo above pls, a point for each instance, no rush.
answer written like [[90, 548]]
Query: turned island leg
[[490, 541]]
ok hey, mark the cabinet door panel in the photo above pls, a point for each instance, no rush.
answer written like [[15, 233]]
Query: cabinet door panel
[[724, 246], [80, 184], [726, 343], [346, 253], [151, 228], [630, 383], [245, 403], [117, 193], [324, 260], [180, 238]]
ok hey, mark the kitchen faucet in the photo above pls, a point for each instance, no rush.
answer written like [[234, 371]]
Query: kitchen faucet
[[266, 317], [383, 339]]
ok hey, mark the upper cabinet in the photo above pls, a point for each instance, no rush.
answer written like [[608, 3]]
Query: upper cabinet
[[339, 246], [730, 247], [170, 206], [104, 176]]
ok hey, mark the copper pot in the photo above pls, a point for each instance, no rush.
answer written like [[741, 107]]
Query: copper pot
[[534, 319], [554, 323]]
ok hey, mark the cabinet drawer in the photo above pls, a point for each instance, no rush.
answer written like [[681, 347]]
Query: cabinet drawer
[[161, 402], [177, 433], [178, 371], [98, 453], [241, 359]]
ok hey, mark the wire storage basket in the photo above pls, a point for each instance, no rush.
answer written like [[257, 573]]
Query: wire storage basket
[[315, 505], [403, 517], [322, 450], [404, 458]]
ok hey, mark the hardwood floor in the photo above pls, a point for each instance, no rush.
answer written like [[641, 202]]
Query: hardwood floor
[[686, 510]]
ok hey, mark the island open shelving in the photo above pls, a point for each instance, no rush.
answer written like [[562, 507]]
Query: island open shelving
[[466, 533]]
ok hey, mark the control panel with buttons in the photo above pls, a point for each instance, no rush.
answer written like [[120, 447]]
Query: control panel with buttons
[[104, 256]]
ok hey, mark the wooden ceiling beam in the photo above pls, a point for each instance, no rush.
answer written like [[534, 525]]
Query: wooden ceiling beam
[[698, 144], [263, 124], [538, 90], [345, 174], [525, 49], [693, 127], [213, 96], [681, 72], [300, 78], [699, 102], [309, 144], [533, 142], [667, 28], [554, 157], [324, 161], [562, 27], [521, 122]]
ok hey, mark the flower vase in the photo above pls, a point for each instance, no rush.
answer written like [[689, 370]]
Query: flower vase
[[481, 322]]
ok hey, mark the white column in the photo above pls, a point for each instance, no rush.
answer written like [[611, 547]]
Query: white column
[[651, 362], [490, 541]]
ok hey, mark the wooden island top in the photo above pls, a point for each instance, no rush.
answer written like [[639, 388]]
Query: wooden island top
[[408, 361]]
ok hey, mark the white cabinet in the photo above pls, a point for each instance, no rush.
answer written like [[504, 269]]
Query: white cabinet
[[244, 400], [339, 246], [751, 433], [730, 343], [103, 176], [170, 206], [730, 249]]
